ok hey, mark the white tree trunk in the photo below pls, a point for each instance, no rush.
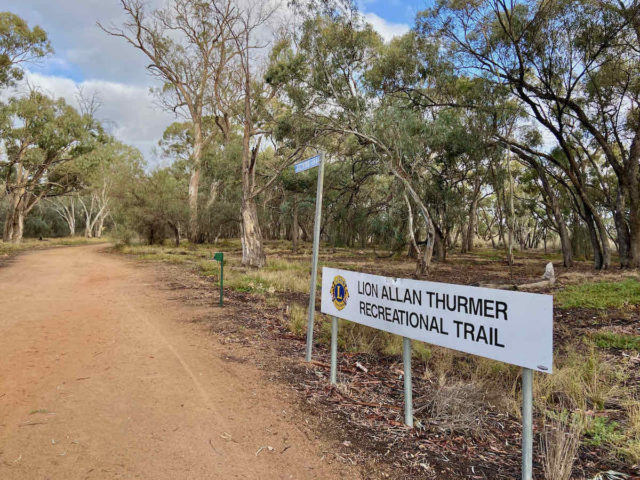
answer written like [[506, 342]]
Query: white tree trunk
[[66, 209]]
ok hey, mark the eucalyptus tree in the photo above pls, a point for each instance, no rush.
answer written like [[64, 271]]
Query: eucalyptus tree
[[552, 185], [19, 44], [65, 206], [574, 66], [42, 138], [345, 81], [243, 32], [100, 171], [189, 45], [154, 204], [327, 89]]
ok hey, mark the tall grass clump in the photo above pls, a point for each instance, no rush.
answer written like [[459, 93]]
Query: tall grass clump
[[560, 442], [297, 320], [581, 380]]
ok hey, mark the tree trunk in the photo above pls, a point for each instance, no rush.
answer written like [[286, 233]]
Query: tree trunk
[[563, 232], [595, 244], [14, 226], [66, 208], [565, 244], [252, 246], [633, 187], [473, 215], [18, 228], [622, 230], [634, 234], [14, 221], [455, 237], [424, 254], [194, 185], [194, 179], [7, 232], [439, 246], [604, 241], [176, 234], [511, 218], [97, 231], [464, 244], [471, 232], [295, 228]]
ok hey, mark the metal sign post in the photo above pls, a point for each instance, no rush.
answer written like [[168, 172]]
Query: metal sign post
[[219, 257], [334, 350], [408, 387], [318, 160], [527, 424]]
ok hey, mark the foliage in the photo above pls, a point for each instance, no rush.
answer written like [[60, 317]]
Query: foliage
[[19, 44], [602, 431]]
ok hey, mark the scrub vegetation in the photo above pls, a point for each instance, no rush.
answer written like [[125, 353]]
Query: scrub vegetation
[[492, 138]]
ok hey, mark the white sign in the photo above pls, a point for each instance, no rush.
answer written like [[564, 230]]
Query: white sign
[[512, 327], [307, 164]]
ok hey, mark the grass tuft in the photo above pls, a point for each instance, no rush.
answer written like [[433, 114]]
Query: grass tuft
[[618, 341], [560, 444], [297, 320], [581, 380]]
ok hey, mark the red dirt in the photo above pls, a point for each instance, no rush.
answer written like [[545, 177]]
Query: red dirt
[[103, 377]]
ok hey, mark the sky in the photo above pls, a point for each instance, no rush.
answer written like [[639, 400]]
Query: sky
[[85, 56]]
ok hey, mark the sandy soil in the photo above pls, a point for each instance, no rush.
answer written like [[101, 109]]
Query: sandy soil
[[103, 376]]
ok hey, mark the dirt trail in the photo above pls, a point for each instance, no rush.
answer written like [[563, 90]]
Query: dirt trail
[[101, 377]]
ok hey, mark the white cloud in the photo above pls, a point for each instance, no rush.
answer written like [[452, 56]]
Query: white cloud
[[387, 29], [127, 111], [82, 49]]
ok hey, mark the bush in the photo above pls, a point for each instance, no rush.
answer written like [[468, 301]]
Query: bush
[[602, 431], [123, 235]]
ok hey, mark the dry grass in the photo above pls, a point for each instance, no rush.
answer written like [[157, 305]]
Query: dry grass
[[559, 444], [453, 407], [297, 320], [581, 380], [631, 449]]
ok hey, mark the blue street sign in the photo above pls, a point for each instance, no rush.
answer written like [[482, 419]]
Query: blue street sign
[[307, 164]]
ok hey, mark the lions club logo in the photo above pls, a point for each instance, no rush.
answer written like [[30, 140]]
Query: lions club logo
[[339, 292]]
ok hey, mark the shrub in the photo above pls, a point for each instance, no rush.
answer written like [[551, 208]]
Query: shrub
[[602, 431]]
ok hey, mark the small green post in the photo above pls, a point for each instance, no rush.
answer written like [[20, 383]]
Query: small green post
[[220, 258]]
